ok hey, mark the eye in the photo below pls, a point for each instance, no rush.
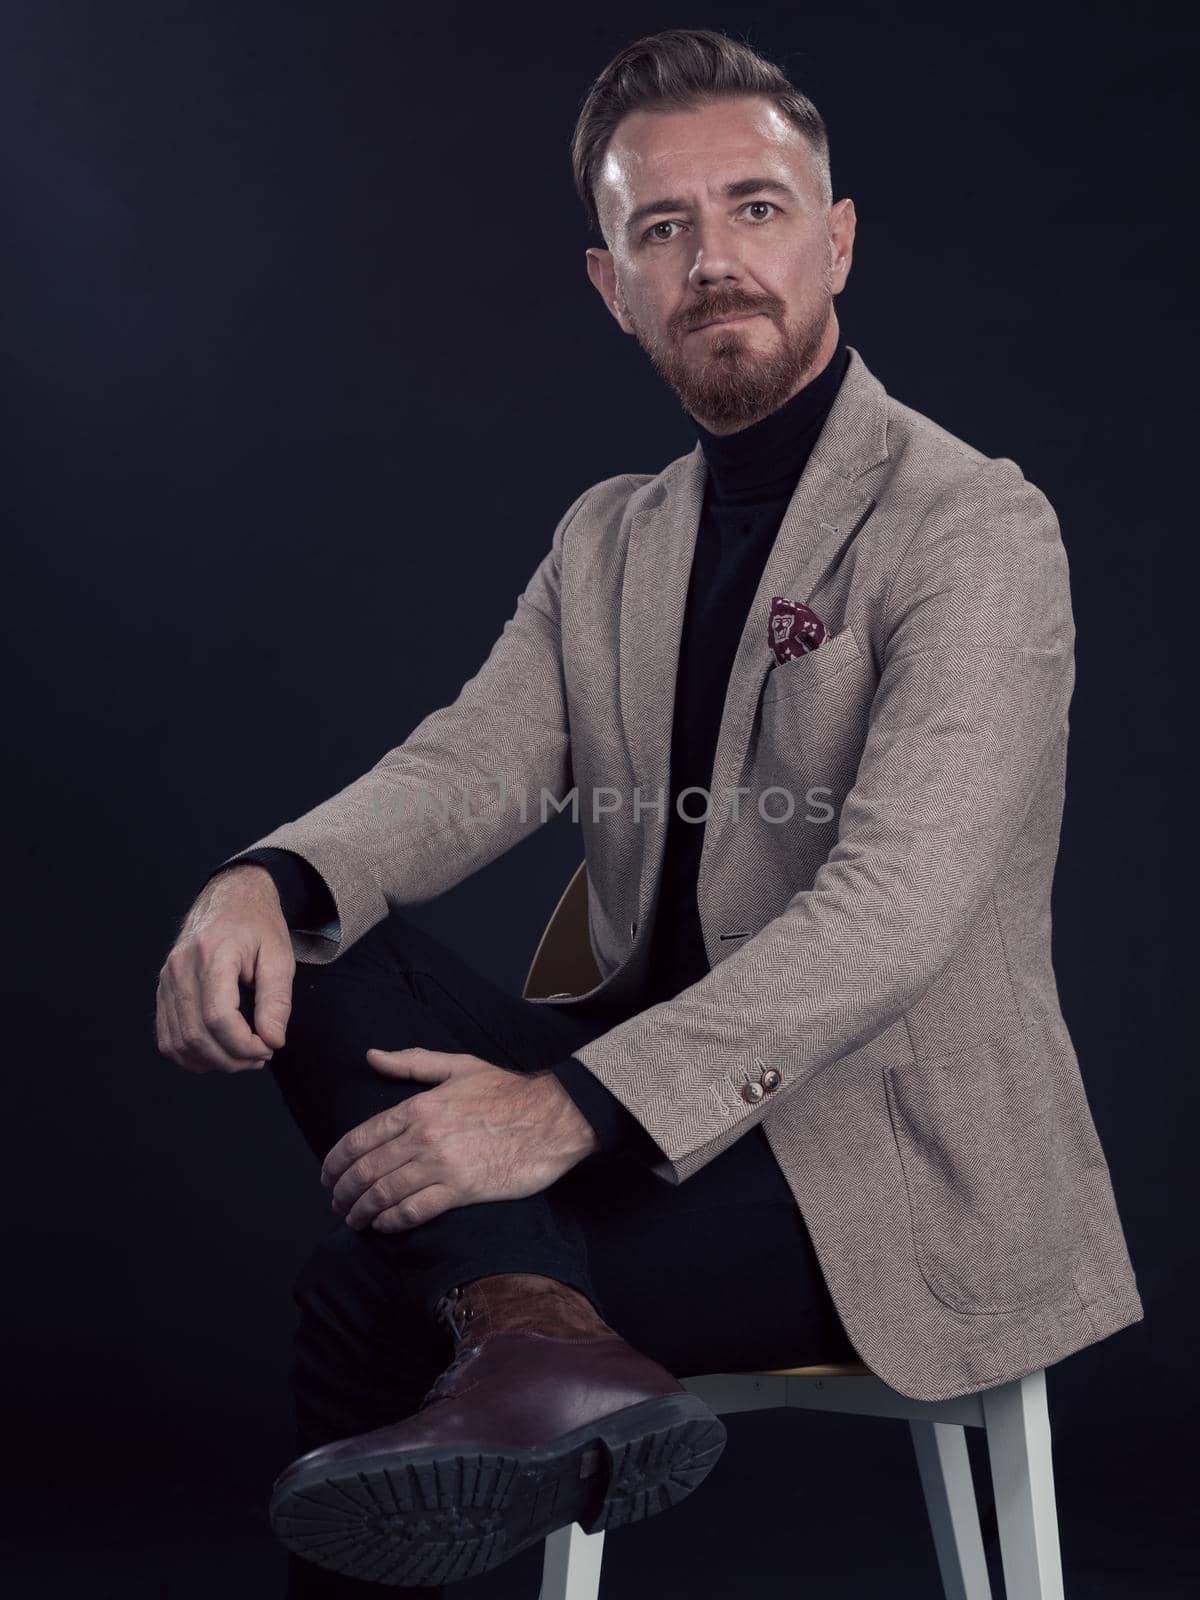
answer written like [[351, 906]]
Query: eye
[[667, 240]]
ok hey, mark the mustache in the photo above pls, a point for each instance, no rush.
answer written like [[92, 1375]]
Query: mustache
[[718, 314]]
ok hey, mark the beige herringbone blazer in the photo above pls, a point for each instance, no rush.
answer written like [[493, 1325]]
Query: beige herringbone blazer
[[874, 890]]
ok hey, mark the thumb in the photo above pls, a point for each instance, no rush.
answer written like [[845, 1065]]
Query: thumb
[[272, 995], [427, 1066]]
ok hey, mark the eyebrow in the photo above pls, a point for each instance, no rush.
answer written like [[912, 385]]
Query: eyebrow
[[732, 191]]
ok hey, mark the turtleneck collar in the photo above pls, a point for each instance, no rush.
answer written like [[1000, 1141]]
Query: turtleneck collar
[[765, 460]]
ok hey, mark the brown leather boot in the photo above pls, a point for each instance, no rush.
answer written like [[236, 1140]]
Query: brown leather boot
[[545, 1416]]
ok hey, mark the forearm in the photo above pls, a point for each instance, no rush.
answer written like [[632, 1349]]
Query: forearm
[[304, 896], [567, 1129]]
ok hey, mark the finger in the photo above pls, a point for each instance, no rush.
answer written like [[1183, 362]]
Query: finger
[[362, 1140], [206, 1001], [415, 1061], [162, 1016], [274, 970], [174, 1033], [220, 1009], [418, 1208], [388, 1189], [358, 1178]]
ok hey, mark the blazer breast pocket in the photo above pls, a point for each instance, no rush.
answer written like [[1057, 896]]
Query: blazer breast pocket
[[812, 723], [802, 673]]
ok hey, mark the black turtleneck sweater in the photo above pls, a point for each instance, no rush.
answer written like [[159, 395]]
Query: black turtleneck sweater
[[750, 480]]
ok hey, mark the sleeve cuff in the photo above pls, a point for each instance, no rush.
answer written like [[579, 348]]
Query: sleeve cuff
[[617, 1129], [304, 896]]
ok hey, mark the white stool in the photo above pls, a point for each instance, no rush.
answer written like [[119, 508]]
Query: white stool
[[1017, 1424]]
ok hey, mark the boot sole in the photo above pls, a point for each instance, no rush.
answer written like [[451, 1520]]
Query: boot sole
[[438, 1514]]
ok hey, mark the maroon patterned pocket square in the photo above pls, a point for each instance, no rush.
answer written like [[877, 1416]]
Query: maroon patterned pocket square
[[793, 629]]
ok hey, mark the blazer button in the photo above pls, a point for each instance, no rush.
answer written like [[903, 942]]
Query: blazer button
[[752, 1092], [770, 1079]]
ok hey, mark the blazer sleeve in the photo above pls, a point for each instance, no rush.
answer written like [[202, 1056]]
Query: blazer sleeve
[[976, 675], [470, 780]]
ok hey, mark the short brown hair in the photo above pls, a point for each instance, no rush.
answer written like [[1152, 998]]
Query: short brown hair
[[679, 69]]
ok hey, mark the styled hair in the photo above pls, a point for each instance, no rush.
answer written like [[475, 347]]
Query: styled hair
[[680, 69]]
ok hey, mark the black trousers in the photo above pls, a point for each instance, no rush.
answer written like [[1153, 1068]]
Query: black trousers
[[714, 1274]]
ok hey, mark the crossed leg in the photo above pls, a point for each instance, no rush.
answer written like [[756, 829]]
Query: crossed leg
[[717, 1274]]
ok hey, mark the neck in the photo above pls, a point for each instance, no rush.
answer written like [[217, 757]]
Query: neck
[[765, 458]]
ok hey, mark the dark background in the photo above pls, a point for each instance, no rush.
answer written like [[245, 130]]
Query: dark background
[[297, 339]]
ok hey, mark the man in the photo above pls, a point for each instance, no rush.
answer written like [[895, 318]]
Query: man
[[825, 993]]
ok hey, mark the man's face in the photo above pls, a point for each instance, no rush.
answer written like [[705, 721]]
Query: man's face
[[778, 254]]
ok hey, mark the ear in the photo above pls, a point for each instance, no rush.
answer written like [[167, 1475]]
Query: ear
[[604, 277], [842, 221]]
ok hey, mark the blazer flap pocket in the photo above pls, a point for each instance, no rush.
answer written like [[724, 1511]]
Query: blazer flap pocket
[[791, 677]]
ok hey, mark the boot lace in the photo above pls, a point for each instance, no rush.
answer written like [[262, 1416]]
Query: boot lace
[[455, 1321]]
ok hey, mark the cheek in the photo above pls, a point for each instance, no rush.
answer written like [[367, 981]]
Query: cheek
[[801, 275], [639, 309]]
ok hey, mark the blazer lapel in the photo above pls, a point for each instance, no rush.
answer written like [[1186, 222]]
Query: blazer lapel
[[658, 564], [823, 515]]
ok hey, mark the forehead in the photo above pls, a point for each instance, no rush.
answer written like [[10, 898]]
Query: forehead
[[694, 153]]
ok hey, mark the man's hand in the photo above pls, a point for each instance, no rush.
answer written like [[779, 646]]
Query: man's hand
[[484, 1133], [234, 930]]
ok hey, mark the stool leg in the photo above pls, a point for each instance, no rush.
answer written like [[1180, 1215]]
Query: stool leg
[[945, 1469], [571, 1565], [1018, 1434]]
